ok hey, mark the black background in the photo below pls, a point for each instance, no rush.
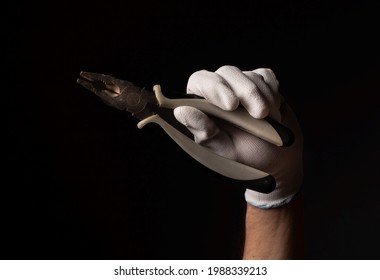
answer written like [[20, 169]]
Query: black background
[[82, 182]]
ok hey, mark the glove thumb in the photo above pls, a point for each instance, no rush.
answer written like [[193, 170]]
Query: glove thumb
[[206, 132]]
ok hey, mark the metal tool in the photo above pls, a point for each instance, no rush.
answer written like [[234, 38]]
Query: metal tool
[[123, 95]]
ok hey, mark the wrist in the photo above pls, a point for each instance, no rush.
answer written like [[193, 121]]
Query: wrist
[[275, 233]]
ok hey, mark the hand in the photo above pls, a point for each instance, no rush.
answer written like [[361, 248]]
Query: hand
[[257, 91]]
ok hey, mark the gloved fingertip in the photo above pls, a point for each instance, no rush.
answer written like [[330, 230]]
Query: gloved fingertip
[[197, 122], [231, 105], [259, 112], [190, 117], [180, 115]]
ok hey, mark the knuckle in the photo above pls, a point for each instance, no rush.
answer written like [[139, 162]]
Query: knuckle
[[197, 74], [194, 80], [269, 77], [257, 76], [268, 71], [225, 68]]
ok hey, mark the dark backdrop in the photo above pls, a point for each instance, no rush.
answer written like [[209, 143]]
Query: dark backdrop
[[82, 182]]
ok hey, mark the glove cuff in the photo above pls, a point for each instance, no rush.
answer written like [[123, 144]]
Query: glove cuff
[[272, 200]]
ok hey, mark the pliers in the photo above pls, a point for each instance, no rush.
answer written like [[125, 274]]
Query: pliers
[[124, 95]]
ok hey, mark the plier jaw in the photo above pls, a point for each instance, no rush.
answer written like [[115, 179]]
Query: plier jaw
[[100, 84], [117, 93]]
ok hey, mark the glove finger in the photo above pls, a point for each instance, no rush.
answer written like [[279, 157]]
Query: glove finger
[[206, 132], [269, 77], [213, 88], [273, 97], [248, 93]]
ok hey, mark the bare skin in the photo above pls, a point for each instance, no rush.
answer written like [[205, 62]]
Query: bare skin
[[273, 234]]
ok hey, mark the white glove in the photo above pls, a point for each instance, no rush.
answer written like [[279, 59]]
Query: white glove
[[257, 91]]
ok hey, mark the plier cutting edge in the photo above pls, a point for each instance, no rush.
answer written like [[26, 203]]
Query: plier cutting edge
[[123, 95]]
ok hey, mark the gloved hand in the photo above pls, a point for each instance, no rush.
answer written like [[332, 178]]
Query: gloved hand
[[257, 91]]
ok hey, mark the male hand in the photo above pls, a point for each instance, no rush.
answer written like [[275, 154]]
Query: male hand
[[257, 91]]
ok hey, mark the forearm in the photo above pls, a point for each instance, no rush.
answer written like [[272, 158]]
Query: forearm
[[274, 233]]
